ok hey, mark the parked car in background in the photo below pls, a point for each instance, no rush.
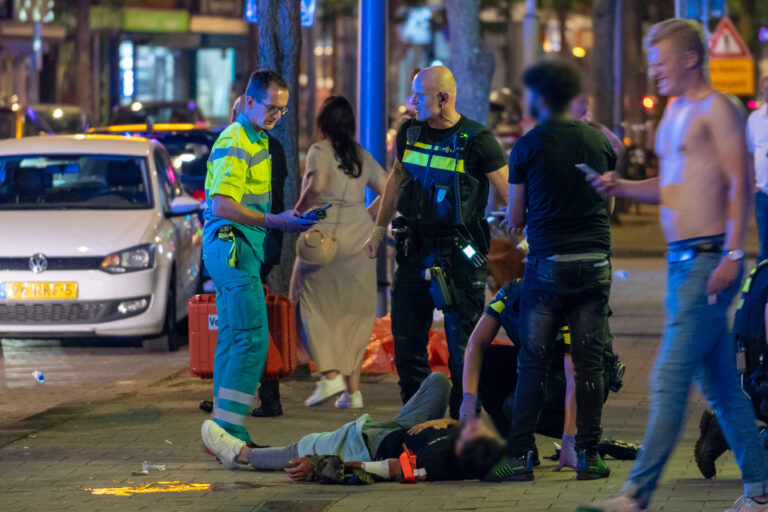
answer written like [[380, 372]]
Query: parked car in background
[[157, 112], [99, 239], [189, 146], [54, 119]]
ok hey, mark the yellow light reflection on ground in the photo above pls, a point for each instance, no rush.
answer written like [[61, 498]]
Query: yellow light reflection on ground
[[151, 487]]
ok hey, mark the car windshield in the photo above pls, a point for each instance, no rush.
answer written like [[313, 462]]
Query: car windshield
[[7, 124], [102, 182], [54, 120]]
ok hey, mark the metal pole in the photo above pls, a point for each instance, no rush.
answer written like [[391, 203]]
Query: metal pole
[[372, 103], [678, 8], [705, 18], [530, 35]]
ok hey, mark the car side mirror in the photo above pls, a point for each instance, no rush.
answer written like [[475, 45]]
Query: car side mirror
[[183, 205]]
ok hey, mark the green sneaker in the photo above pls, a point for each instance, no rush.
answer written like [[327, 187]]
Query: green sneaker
[[590, 466], [512, 469]]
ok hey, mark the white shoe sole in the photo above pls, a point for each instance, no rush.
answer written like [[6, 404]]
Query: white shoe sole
[[309, 403]]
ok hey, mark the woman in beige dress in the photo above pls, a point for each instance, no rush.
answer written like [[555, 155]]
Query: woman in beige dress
[[336, 302]]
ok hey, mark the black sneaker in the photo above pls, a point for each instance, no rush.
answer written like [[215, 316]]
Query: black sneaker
[[512, 469], [206, 406], [710, 445], [618, 450], [267, 410], [590, 466]]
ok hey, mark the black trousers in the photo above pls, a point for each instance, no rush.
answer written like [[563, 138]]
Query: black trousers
[[498, 381], [413, 307], [555, 294], [269, 390]]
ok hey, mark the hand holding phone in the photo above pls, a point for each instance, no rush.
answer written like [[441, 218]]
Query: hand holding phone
[[590, 172], [317, 214]]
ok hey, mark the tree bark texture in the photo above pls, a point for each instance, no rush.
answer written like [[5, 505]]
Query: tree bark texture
[[83, 53], [603, 16], [471, 61], [279, 25]]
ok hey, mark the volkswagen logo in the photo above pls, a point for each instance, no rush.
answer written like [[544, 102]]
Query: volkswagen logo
[[38, 263]]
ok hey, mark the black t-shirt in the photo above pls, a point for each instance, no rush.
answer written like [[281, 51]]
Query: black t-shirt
[[565, 213], [273, 242], [433, 447], [483, 152]]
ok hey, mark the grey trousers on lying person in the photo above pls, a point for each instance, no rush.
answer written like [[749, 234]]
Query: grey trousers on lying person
[[429, 403]]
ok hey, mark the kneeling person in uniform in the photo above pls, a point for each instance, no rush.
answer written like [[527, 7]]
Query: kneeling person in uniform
[[439, 184], [238, 196]]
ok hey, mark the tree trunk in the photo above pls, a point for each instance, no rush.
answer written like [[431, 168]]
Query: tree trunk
[[471, 62], [562, 18], [634, 68], [280, 50], [603, 17], [83, 53]]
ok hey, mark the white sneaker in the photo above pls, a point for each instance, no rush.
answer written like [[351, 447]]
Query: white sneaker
[[325, 390], [620, 503], [745, 504], [223, 445], [353, 401]]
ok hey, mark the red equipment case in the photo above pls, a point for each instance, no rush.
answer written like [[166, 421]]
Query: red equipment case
[[203, 330]]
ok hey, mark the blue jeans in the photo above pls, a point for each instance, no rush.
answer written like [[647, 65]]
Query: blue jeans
[[761, 215], [555, 294], [697, 346]]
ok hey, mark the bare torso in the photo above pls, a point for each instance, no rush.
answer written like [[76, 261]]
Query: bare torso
[[694, 189]]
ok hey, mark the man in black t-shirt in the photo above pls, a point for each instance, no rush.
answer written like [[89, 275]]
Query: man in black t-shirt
[[568, 274], [439, 184]]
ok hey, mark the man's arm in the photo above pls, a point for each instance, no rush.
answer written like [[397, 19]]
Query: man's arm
[[499, 179], [728, 137], [227, 208], [482, 336], [516, 217], [391, 195], [645, 191], [387, 207]]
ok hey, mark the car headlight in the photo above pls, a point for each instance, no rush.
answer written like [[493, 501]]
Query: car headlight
[[129, 260]]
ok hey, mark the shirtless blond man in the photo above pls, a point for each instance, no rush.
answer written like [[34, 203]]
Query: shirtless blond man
[[704, 193]]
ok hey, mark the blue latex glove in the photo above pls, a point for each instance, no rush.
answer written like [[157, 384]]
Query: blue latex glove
[[289, 222]]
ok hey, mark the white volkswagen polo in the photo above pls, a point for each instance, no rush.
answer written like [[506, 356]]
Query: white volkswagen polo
[[96, 239]]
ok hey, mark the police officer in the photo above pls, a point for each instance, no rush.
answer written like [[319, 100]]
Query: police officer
[[439, 184], [239, 195], [749, 331]]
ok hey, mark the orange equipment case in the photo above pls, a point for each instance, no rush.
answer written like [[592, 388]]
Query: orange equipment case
[[203, 330]]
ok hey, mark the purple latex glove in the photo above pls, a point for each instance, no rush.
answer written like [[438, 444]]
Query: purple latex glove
[[468, 407], [568, 456], [289, 222]]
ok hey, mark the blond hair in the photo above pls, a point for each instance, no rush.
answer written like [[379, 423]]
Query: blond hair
[[685, 35]]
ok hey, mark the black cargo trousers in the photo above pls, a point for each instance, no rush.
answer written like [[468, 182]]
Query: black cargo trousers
[[413, 309]]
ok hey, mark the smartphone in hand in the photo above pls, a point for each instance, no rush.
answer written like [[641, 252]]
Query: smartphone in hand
[[590, 172], [317, 214]]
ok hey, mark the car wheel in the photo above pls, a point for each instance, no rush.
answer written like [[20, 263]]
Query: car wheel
[[171, 337]]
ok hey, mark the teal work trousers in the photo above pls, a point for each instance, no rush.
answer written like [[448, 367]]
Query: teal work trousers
[[243, 338]]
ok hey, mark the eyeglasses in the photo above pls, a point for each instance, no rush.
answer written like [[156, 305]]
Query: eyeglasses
[[274, 109]]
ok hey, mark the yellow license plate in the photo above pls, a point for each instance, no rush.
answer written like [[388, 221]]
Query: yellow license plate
[[29, 290]]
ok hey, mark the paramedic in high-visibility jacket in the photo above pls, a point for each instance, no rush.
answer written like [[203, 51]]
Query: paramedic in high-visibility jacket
[[238, 193], [439, 184]]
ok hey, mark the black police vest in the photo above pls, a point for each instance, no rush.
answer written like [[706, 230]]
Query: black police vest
[[439, 191]]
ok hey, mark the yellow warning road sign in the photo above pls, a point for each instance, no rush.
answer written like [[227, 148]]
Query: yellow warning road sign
[[735, 76]]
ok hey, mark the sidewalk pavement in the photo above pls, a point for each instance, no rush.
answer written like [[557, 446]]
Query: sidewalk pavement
[[69, 465]]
